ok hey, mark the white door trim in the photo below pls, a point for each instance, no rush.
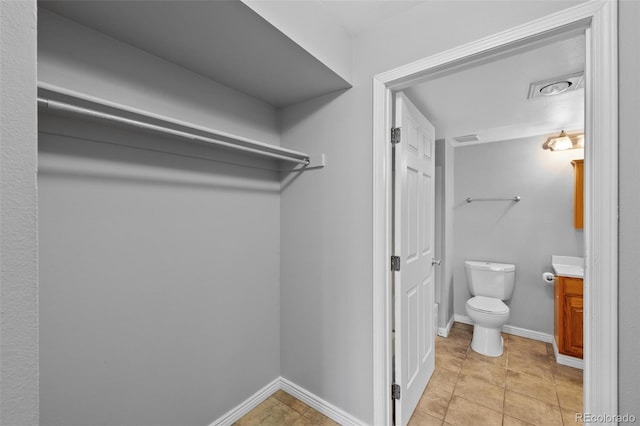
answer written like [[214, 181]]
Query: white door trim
[[599, 17]]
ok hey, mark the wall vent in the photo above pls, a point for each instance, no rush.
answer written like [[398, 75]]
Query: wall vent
[[466, 138]]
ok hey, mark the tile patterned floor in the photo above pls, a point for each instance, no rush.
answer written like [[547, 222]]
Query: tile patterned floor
[[282, 409], [524, 386]]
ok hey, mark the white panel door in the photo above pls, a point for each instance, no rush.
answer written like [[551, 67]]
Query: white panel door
[[413, 239]]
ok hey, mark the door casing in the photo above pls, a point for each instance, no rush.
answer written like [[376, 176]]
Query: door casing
[[598, 18]]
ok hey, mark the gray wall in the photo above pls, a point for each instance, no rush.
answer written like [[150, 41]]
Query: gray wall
[[159, 274], [73, 56], [444, 232], [326, 310], [526, 233], [629, 326], [18, 215], [353, 124]]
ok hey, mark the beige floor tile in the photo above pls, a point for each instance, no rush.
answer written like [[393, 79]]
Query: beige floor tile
[[420, 418], [527, 345], [443, 381], [314, 418], [570, 417], [459, 340], [531, 410], [530, 363], [459, 327], [512, 421], [480, 392], [257, 412], [486, 371], [463, 412], [291, 401], [532, 386], [550, 352], [570, 397], [567, 375], [458, 336], [533, 356], [456, 348], [434, 403], [500, 361], [270, 413], [447, 361]]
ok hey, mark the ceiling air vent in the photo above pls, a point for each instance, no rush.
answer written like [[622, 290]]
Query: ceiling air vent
[[466, 138], [556, 86]]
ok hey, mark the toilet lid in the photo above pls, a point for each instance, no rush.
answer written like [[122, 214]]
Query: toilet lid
[[488, 304]]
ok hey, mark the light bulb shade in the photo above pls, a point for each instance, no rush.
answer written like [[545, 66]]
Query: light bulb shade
[[563, 142]]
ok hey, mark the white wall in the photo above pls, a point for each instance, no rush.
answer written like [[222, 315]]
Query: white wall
[[159, 274], [525, 233], [326, 221], [18, 215], [629, 291]]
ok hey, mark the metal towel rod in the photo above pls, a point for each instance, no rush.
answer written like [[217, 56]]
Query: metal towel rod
[[514, 199]]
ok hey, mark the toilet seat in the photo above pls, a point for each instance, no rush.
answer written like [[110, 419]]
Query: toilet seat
[[489, 305]]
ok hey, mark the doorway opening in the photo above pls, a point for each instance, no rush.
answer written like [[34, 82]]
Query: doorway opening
[[597, 21]]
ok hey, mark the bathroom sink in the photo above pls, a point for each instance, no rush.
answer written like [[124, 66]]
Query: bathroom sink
[[568, 266]]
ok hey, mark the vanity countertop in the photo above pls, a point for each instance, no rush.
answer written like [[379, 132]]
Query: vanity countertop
[[568, 266]]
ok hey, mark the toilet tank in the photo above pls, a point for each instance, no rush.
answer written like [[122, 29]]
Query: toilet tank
[[490, 279]]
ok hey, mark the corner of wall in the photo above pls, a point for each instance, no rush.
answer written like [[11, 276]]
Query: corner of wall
[[313, 29], [18, 214]]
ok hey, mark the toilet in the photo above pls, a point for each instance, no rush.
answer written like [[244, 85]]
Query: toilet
[[489, 283]]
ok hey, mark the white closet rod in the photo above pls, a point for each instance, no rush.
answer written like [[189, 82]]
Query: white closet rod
[[288, 155]]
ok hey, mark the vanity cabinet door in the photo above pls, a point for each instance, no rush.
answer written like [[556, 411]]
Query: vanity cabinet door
[[569, 316]]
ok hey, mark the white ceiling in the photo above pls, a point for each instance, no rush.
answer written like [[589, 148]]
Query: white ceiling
[[231, 44], [222, 40], [491, 99], [358, 16]]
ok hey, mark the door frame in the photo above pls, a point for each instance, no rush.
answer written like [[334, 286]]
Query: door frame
[[599, 19]]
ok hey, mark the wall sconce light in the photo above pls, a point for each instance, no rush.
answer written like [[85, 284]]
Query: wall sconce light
[[564, 141]]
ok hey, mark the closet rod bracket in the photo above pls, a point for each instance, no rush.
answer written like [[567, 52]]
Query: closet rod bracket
[[316, 161]]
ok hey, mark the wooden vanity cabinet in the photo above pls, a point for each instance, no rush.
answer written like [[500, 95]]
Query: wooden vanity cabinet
[[569, 317], [578, 193]]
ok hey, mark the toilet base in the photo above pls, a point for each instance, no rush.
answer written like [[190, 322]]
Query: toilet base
[[487, 341]]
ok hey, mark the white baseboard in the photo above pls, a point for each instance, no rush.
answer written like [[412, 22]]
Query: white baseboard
[[510, 329], [463, 319], [529, 334], [566, 359], [253, 401], [334, 413], [444, 331]]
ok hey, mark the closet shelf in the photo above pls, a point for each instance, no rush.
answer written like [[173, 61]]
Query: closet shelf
[[76, 103]]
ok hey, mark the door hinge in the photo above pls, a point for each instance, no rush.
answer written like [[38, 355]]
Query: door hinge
[[395, 391], [395, 135], [395, 263]]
